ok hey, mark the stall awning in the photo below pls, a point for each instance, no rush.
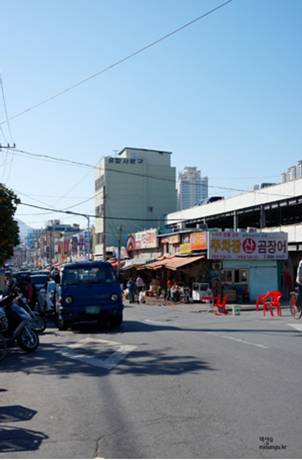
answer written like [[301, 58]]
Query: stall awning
[[173, 262], [136, 262]]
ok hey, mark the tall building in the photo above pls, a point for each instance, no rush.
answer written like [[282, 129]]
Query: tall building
[[293, 172], [192, 188], [133, 191]]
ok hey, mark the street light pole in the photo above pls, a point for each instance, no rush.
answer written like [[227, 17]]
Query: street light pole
[[119, 251]]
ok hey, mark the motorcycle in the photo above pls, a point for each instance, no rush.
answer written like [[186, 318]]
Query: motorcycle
[[39, 322], [18, 326]]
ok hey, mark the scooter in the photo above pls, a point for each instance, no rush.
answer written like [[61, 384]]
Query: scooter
[[18, 326], [38, 320]]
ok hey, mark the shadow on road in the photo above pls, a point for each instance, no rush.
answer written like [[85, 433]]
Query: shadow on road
[[51, 357], [14, 439], [50, 360], [16, 414]]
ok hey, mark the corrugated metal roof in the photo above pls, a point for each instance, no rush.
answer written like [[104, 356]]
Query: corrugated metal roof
[[173, 262]]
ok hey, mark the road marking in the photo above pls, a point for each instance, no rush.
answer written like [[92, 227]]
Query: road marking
[[156, 323], [122, 351], [296, 326], [236, 339]]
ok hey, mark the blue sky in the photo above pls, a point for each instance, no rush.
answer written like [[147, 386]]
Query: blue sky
[[223, 95]]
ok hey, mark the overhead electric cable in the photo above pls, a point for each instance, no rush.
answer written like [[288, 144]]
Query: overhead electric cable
[[10, 164], [5, 110], [167, 179], [138, 219], [120, 61]]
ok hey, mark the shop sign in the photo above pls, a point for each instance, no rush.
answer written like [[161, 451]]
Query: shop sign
[[87, 241], [123, 161], [173, 239], [131, 244], [198, 241], [66, 246], [185, 248], [74, 244], [247, 246], [146, 240]]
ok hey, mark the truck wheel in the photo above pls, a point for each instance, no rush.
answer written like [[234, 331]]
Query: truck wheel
[[116, 321], [62, 325]]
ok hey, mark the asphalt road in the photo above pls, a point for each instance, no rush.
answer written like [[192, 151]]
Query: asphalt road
[[170, 384]]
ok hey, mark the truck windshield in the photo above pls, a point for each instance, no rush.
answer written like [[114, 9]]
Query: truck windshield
[[88, 275]]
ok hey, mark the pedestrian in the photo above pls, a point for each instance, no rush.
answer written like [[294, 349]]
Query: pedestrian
[[170, 284], [132, 290], [299, 282], [140, 284]]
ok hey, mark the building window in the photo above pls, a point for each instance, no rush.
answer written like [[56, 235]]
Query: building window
[[99, 183], [227, 276], [99, 237], [99, 210], [235, 276], [150, 208]]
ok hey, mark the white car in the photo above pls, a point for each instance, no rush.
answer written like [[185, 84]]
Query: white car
[[49, 296]]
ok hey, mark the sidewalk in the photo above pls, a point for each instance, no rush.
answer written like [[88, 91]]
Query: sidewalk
[[192, 307], [198, 307]]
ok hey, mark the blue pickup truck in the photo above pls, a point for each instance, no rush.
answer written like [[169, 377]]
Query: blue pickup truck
[[89, 291]]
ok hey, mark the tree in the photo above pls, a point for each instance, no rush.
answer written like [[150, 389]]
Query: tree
[[9, 230]]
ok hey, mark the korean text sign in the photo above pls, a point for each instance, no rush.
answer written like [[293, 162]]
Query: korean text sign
[[146, 239], [247, 246]]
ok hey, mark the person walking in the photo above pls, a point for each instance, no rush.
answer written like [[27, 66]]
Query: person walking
[[132, 289], [299, 282], [140, 284], [170, 284]]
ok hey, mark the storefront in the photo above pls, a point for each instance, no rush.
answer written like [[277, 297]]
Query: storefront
[[247, 263]]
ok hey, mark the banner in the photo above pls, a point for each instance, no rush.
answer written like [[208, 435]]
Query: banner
[[146, 239], [247, 246], [198, 241], [87, 242], [172, 239]]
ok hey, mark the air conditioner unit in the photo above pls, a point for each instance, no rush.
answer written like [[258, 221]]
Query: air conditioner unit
[[251, 229]]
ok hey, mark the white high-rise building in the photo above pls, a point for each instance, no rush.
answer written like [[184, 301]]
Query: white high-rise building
[[192, 188], [133, 191]]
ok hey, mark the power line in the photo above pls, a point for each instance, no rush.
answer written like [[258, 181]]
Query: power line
[[137, 219], [8, 127], [52, 158], [148, 176], [120, 61], [5, 110], [81, 202]]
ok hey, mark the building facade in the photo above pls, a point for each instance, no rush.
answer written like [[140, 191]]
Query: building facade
[[192, 188], [133, 191]]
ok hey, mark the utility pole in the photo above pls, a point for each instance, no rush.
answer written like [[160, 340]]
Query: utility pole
[[119, 251], [104, 222], [88, 230]]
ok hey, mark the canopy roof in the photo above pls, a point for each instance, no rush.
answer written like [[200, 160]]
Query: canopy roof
[[137, 261], [173, 262]]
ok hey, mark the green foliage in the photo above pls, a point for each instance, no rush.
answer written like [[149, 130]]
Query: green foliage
[[9, 230]]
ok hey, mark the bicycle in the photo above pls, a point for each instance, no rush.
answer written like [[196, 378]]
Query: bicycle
[[295, 305]]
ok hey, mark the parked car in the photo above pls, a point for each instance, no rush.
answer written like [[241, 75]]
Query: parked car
[[89, 291], [48, 296], [38, 282]]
